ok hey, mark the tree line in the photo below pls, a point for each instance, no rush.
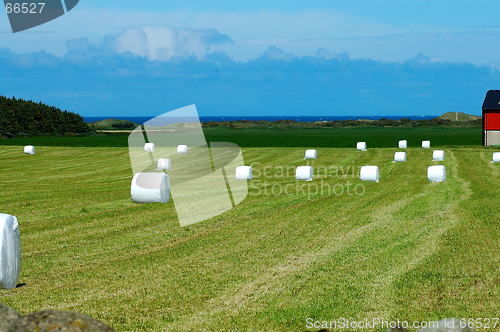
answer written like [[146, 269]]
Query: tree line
[[19, 117]]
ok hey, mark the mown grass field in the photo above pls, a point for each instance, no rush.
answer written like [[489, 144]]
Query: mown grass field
[[400, 249], [321, 137]]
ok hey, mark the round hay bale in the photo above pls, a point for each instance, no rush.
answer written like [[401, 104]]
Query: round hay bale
[[304, 173], [438, 155], [182, 149], [10, 251], [496, 157], [164, 164], [150, 188], [149, 147], [361, 146], [370, 173], [436, 173], [400, 157], [311, 154], [244, 173], [29, 149]]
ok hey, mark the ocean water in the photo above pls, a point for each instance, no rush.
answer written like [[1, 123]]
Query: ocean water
[[142, 119]]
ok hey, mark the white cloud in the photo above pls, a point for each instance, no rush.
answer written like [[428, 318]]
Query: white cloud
[[326, 54], [162, 43], [274, 53]]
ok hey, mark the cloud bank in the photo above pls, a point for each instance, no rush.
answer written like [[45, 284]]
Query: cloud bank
[[154, 43], [466, 31], [147, 71], [163, 43]]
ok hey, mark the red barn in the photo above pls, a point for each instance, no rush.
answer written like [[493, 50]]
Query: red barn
[[491, 118]]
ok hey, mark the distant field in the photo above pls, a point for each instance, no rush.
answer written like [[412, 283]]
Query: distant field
[[403, 249], [325, 137]]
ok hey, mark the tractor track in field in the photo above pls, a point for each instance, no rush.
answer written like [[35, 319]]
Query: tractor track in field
[[270, 282], [484, 157], [153, 250], [430, 244]]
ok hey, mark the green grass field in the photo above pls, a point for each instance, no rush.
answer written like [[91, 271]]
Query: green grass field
[[322, 137], [400, 249]]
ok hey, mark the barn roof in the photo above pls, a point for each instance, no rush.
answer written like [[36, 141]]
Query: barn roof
[[492, 100]]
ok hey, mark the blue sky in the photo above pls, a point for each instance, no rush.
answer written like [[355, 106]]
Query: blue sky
[[259, 57]]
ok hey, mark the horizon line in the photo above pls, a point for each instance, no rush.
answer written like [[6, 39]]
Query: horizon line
[[267, 116]]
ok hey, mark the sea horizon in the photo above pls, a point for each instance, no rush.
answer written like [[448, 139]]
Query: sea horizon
[[311, 118]]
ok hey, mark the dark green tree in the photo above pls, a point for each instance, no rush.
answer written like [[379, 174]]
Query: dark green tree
[[20, 117]]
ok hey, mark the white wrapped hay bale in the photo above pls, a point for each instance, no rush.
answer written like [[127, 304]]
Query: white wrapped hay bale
[[403, 144], [370, 173], [182, 149], [496, 157], [438, 155], [426, 144], [29, 149], [10, 251], [311, 154], [304, 173], [244, 173], [149, 147], [164, 164], [361, 146], [150, 188], [400, 157], [436, 173]]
